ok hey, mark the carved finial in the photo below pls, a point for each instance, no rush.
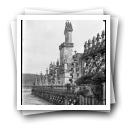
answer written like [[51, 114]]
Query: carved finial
[[66, 24], [103, 34], [89, 43], [71, 26], [50, 66], [75, 51], [98, 38], [68, 27], [57, 62], [85, 47], [94, 41], [46, 70]]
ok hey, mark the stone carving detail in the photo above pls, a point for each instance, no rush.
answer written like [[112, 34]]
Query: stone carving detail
[[94, 45]]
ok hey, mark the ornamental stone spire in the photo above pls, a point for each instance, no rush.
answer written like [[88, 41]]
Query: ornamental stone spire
[[68, 27]]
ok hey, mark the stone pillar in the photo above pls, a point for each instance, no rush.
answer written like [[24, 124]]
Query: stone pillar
[[46, 82], [56, 79], [82, 67], [36, 81], [85, 101], [66, 101], [80, 100], [50, 99], [89, 101], [93, 100], [75, 74]]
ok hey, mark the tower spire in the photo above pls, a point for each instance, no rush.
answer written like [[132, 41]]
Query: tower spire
[[68, 27]]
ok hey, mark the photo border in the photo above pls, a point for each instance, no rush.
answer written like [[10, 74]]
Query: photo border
[[20, 19]]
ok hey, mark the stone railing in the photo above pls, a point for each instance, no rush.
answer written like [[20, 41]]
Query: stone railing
[[55, 88], [70, 95]]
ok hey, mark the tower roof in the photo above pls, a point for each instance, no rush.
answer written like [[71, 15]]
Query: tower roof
[[68, 27]]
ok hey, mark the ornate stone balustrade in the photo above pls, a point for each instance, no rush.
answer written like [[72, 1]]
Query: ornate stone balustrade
[[93, 61], [96, 44]]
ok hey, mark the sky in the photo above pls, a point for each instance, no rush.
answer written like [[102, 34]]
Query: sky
[[41, 40]]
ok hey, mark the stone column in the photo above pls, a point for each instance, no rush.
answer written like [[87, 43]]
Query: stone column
[[50, 99], [93, 100], [75, 74], [46, 77], [66, 100], [56, 80], [36, 81], [80, 100], [89, 101], [85, 101], [82, 68]]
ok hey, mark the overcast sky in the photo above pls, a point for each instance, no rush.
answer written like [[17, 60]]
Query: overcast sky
[[41, 40]]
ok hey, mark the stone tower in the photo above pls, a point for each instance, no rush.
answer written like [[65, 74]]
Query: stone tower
[[66, 53]]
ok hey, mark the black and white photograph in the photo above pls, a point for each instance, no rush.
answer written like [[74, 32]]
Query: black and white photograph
[[63, 60]]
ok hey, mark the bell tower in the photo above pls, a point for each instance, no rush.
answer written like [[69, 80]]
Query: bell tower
[[66, 53]]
